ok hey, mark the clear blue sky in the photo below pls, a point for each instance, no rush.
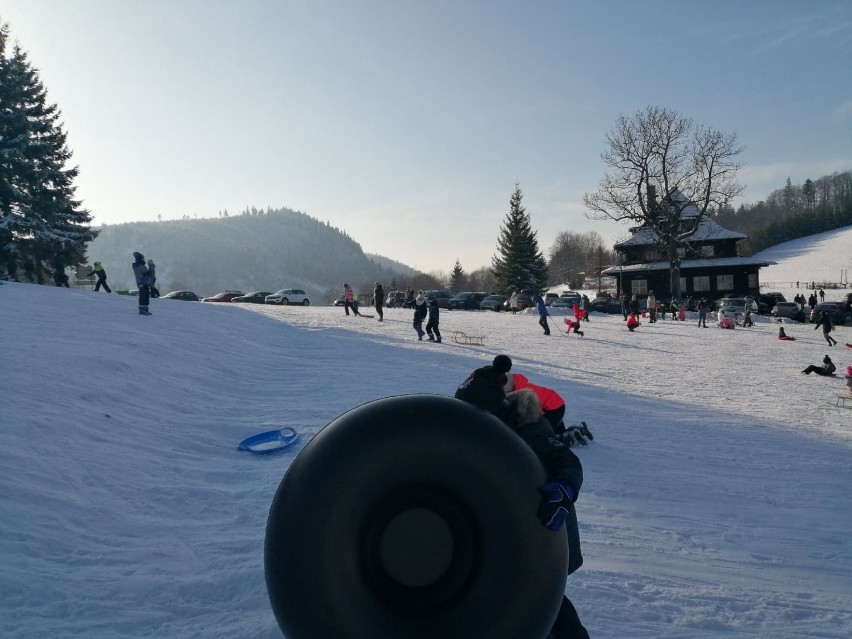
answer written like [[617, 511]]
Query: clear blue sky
[[408, 123]]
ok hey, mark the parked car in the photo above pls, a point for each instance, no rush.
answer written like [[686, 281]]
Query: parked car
[[788, 310], [395, 298], [186, 296], [737, 305], [549, 298], [225, 296], [493, 303], [564, 302], [835, 310], [443, 297], [524, 301], [289, 296], [605, 305], [571, 295], [256, 297], [468, 300]]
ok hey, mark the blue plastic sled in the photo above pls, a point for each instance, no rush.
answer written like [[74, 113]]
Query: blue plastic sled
[[269, 441]]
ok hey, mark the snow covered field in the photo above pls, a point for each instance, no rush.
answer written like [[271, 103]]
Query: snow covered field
[[717, 500]]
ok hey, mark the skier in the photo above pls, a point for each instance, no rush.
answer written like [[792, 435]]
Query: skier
[[825, 370], [99, 272], [378, 300], [827, 326], [140, 271], [542, 313], [432, 324], [420, 311], [152, 279]]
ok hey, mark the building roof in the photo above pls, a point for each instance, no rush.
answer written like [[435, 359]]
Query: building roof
[[708, 228], [688, 264]]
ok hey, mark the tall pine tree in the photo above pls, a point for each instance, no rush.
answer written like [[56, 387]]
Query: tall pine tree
[[41, 222], [519, 264], [457, 278]]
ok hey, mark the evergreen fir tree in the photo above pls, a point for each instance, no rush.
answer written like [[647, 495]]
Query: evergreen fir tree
[[41, 222], [519, 264], [457, 278]]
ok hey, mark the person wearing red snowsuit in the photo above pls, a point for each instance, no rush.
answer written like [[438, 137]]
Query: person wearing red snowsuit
[[632, 322], [552, 404]]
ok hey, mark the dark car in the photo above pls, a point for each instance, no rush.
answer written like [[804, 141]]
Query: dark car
[[605, 305], [186, 296], [227, 296], [835, 311], [468, 301], [395, 298], [789, 310], [564, 302], [493, 303], [443, 297], [549, 298], [257, 297]]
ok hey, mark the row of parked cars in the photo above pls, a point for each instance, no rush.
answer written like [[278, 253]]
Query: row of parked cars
[[284, 297]]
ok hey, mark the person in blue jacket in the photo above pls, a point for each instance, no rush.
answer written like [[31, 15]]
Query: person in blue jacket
[[542, 313]]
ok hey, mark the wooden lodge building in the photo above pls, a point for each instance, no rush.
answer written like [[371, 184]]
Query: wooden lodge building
[[710, 266]]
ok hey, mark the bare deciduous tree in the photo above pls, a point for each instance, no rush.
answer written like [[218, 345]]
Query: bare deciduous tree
[[659, 152]]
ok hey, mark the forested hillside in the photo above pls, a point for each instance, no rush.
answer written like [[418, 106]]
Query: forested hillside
[[793, 211], [256, 250]]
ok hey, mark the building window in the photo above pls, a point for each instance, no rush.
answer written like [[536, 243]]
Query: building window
[[707, 250], [639, 287], [724, 282], [700, 284], [752, 281], [683, 286]]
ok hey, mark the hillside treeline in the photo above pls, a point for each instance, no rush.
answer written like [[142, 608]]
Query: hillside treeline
[[793, 211], [256, 250]]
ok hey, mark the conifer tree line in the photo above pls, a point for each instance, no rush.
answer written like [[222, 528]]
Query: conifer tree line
[[793, 211], [43, 227]]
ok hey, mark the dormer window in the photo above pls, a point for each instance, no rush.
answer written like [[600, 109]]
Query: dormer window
[[707, 250]]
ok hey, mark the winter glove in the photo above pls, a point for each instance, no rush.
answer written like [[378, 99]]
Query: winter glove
[[557, 499]]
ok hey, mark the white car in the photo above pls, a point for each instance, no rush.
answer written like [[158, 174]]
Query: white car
[[288, 296]]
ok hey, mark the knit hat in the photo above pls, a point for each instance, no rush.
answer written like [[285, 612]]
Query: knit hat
[[826, 360], [502, 364], [138, 257]]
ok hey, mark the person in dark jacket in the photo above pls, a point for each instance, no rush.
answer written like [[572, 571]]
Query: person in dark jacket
[[99, 272], [59, 275], [152, 279], [542, 312], [826, 369], [432, 324], [421, 309], [564, 480], [484, 387], [379, 300], [827, 326], [140, 272]]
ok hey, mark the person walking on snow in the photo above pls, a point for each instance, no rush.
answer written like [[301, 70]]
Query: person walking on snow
[[584, 306], [420, 311], [432, 324], [513, 303], [542, 313], [702, 312], [379, 300], [652, 307], [821, 295], [827, 326], [140, 272], [349, 300], [99, 272]]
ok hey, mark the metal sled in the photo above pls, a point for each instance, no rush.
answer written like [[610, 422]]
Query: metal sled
[[460, 337]]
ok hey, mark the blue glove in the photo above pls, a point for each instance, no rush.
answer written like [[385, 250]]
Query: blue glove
[[557, 499]]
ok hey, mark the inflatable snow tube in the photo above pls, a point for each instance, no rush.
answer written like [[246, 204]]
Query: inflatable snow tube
[[413, 517]]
